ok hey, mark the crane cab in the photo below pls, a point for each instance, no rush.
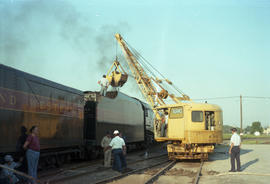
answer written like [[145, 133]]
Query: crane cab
[[192, 130]]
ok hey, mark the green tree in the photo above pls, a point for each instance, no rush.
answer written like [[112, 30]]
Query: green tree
[[256, 126], [227, 129], [248, 129]]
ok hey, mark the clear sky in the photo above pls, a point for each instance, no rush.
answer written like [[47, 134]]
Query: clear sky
[[207, 48]]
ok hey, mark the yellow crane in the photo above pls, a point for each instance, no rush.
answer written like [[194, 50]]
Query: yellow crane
[[190, 129]]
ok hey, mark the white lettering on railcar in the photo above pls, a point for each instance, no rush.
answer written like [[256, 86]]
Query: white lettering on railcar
[[2, 98]]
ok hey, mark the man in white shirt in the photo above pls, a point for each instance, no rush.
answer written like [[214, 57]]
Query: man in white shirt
[[107, 154], [118, 147], [235, 150], [104, 82]]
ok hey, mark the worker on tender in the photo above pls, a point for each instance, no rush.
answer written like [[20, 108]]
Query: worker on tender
[[104, 83]]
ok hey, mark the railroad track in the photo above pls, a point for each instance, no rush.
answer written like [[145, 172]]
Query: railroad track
[[167, 167], [198, 175], [119, 176], [154, 177], [91, 169], [160, 172]]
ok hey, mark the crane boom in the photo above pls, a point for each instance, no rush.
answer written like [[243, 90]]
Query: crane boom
[[147, 84], [138, 72]]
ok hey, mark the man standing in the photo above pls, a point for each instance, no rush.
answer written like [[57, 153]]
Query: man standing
[[107, 153], [104, 82], [32, 146], [20, 151], [235, 150], [119, 150]]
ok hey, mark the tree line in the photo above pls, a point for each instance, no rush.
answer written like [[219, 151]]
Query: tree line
[[256, 126]]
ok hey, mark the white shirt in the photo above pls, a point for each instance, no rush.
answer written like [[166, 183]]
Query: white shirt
[[117, 143], [104, 82], [166, 119], [235, 139]]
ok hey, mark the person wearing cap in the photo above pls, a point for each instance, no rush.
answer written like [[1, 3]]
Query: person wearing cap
[[118, 147], [107, 153], [12, 178], [234, 150]]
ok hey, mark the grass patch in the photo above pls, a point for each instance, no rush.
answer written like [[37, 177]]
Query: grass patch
[[252, 141], [246, 136]]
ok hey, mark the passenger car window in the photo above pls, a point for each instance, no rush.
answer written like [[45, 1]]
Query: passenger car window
[[197, 116], [176, 112]]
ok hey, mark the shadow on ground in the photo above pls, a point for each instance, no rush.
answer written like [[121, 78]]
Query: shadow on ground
[[246, 165], [221, 152]]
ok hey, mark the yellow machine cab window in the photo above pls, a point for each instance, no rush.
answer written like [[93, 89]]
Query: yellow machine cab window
[[197, 116]]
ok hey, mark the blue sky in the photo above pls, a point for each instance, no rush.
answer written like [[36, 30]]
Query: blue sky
[[207, 48]]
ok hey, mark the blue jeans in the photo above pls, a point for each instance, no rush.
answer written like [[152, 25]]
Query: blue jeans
[[32, 160], [119, 160]]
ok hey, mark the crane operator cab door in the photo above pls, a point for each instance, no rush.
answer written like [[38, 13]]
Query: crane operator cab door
[[176, 123], [210, 121]]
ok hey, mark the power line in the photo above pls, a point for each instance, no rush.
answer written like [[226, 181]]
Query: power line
[[261, 97], [229, 97], [144, 62], [216, 98]]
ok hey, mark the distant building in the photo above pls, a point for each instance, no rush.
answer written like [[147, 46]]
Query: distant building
[[267, 131], [257, 133]]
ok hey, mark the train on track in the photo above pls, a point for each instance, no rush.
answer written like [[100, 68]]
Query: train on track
[[71, 122]]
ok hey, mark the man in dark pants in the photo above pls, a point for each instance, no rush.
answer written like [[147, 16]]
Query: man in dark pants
[[235, 150], [21, 153], [118, 150]]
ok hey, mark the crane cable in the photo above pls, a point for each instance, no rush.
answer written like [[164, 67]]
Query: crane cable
[[177, 90], [138, 55]]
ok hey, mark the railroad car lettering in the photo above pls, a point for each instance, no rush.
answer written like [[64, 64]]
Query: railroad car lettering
[[2, 98], [12, 100], [69, 108], [62, 107], [42, 105], [55, 107], [49, 106]]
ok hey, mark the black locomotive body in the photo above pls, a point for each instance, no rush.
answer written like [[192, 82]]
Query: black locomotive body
[[27, 100], [69, 123]]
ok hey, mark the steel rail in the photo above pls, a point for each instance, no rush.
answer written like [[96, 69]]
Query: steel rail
[[64, 178], [196, 181], [161, 172], [128, 173]]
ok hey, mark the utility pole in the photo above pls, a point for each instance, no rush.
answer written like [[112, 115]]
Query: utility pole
[[241, 117]]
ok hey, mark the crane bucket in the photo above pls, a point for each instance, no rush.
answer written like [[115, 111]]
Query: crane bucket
[[117, 79], [116, 75]]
